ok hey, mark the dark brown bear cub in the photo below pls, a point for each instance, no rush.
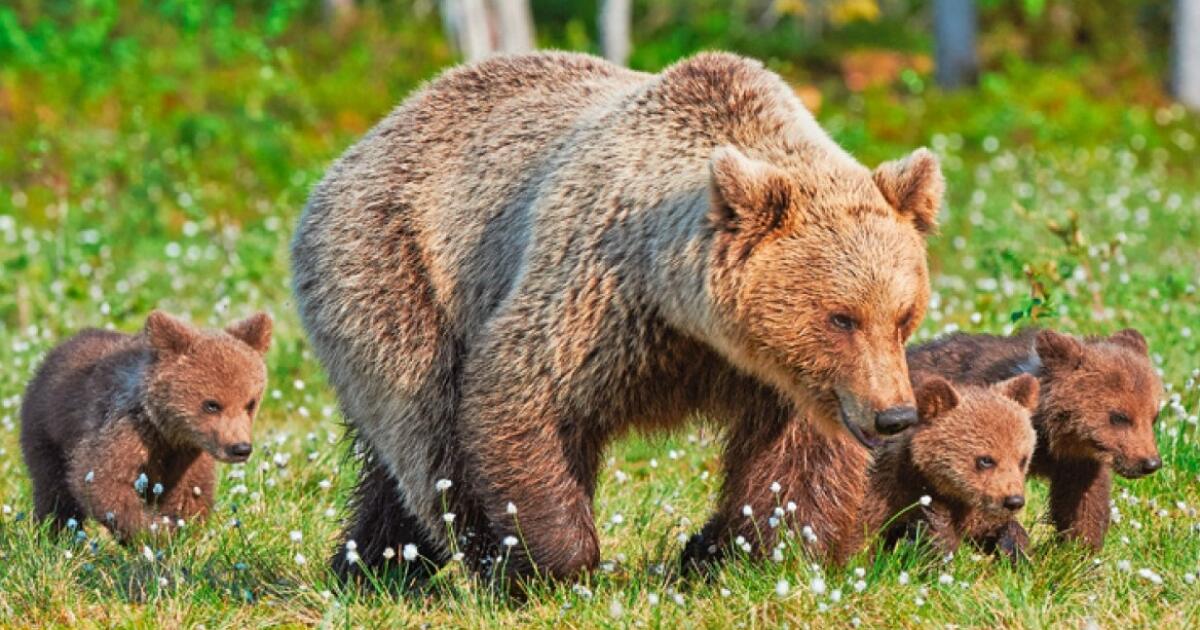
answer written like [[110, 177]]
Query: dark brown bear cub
[[960, 473], [1099, 402], [124, 428]]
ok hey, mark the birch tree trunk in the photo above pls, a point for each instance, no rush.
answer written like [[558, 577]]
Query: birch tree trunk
[[615, 41], [467, 26], [1186, 82], [515, 22], [954, 24]]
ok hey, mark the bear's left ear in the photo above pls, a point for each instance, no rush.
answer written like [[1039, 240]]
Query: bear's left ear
[[914, 187], [254, 331], [750, 198], [935, 397], [1023, 389], [1131, 339]]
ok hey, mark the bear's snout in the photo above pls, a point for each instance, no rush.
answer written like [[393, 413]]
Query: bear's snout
[[239, 452], [1014, 502], [894, 420]]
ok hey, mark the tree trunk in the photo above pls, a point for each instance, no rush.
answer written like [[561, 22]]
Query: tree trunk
[[1186, 82], [615, 17], [338, 12], [954, 24], [467, 27], [515, 22]]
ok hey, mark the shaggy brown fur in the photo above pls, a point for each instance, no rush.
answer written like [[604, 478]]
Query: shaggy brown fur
[[106, 408], [969, 455], [534, 253], [1100, 399]]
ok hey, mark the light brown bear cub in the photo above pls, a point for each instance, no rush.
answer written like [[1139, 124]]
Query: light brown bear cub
[[124, 428], [1099, 401], [969, 454]]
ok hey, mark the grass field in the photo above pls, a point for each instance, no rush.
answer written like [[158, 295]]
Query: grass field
[[165, 165]]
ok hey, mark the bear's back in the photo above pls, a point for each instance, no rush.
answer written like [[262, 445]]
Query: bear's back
[[973, 359], [71, 382]]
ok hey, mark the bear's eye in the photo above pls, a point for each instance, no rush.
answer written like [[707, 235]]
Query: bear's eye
[[211, 406], [842, 321], [250, 405], [905, 321], [985, 462], [1024, 462], [1118, 419]]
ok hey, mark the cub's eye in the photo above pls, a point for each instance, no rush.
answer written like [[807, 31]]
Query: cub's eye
[[985, 463], [1118, 419], [250, 405], [842, 321], [211, 406]]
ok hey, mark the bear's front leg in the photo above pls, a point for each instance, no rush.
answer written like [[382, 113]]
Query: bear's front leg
[[780, 473], [532, 469], [1079, 497], [103, 475], [191, 496]]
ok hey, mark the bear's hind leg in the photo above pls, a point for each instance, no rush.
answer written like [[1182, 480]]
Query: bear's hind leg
[[380, 521], [52, 497]]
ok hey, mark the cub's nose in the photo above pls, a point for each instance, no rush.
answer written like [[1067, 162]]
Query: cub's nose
[[894, 420], [1014, 502], [241, 450], [1151, 464]]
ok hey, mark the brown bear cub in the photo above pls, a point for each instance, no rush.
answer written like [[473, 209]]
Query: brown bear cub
[[960, 473], [124, 428], [1100, 398]]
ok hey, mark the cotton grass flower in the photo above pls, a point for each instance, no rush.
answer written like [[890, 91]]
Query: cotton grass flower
[[443, 485], [817, 585], [782, 588], [510, 541], [410, 552]]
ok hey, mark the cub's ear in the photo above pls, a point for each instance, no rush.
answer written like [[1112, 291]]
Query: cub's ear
[[255, 331], [935, 397], [750, 198], [1131, 339], [1058, 351], [914, 187], [1023, 389], [167, 334]]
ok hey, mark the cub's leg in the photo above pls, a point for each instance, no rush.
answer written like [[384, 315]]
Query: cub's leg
[[51, 495], [101, 474], [1079, 496], [191, 496], [379, 521], [1009, 539]]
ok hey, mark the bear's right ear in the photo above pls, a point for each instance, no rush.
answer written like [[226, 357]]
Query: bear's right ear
[[1132, 339], [167, 334], [914, 187], [935, 397], [1023, 389], [254, 331], [750, 199], [1058, 351]]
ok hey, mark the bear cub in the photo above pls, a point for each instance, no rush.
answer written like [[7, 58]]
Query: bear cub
[[1099, 402], [968, 453], [125, 428]]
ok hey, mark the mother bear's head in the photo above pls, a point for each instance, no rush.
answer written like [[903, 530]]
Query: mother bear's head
[[819, 275]]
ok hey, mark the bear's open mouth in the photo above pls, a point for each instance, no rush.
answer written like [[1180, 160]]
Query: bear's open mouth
[[870, 441]]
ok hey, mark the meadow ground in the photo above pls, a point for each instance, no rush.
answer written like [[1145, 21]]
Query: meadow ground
[[166, 168]]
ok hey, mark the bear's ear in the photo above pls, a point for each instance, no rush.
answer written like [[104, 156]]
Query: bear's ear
[[914, 187], [255, 331], [935, 397], [1058, 351], [167, 334], [1023, 389], [1131, 339], [750, 198]]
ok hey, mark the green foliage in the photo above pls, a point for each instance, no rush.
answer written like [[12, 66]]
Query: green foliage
[[158, 154]]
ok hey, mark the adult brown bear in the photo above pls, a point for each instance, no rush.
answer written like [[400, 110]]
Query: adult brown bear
[[535, 253]]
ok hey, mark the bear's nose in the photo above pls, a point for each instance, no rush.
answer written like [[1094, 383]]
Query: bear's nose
[[894, 420], [241, 450], [1151, 464], [1014, 502]]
